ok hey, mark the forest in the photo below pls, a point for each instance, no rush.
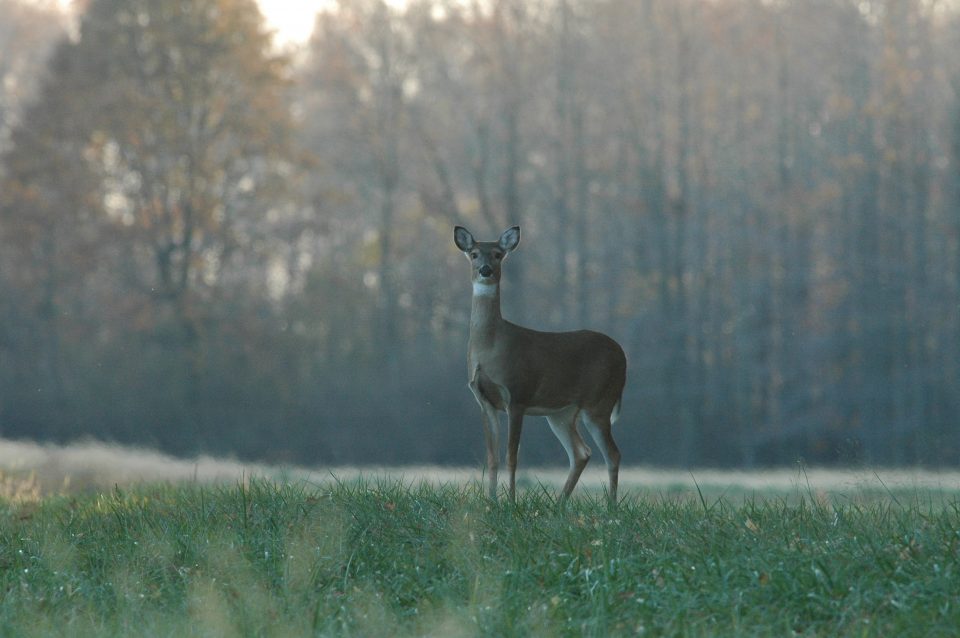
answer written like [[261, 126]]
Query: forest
[[212, 243]]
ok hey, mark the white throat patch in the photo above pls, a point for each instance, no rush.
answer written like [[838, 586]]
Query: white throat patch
[[484, 290]]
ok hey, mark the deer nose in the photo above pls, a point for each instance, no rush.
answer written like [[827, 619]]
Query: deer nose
[[485, 271]]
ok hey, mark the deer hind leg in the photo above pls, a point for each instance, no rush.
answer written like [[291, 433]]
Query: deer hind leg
[[564, 426], [514, 425], [599, 427]]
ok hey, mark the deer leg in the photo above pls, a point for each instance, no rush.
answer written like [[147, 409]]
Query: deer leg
[[491, 434], [514, 425], [600, 431], [564, 426]]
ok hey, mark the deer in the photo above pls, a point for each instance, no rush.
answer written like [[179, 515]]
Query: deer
[[563, 376]]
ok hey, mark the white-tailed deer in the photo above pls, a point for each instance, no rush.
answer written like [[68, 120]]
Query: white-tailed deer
[[559, 375]]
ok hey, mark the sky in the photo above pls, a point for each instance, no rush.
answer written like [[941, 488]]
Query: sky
[[292, 19]]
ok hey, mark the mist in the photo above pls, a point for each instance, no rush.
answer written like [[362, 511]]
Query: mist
[[209, 247]]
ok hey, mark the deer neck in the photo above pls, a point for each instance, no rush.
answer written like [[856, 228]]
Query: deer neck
[[485, 312]]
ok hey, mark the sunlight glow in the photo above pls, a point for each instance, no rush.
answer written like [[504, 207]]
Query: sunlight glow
[[293, 21]]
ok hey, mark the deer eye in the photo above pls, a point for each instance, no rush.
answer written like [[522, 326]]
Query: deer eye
[[498, 255], [474, 255]]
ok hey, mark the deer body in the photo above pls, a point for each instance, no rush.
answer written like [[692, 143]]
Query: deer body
[[560, 375]]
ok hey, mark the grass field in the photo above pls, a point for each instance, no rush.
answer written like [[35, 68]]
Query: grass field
[[384, 556]]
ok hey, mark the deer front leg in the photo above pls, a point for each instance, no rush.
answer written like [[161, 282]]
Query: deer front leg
[[491, 434], [491, 427], [514, 425]]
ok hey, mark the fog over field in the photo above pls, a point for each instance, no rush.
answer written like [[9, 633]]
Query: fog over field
[[30, 470], [251, 254]]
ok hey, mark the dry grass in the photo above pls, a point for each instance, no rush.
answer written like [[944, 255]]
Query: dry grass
[[29, 470]]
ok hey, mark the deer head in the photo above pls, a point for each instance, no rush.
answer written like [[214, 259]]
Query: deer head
[[486, 257]]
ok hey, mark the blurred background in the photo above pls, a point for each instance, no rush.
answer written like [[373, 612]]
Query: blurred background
[[232, 234]]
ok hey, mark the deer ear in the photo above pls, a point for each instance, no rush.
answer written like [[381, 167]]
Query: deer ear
[[510, 238], [462, 238]]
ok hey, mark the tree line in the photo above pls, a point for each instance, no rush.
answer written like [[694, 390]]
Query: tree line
[[211, 244]]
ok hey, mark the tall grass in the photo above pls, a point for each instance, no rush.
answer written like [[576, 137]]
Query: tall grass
[[373, 558]]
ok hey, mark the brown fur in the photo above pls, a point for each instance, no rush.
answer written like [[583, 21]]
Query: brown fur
[[560, 375]]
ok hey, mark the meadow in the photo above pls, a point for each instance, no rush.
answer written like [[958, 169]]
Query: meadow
[[380, 555]]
